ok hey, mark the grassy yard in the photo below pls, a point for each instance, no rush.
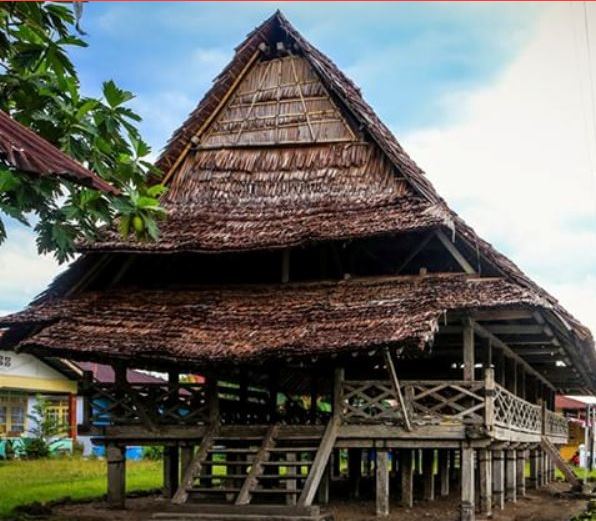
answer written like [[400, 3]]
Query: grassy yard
[[22, 482]]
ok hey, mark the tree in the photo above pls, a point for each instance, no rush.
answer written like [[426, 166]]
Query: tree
[[47, 430], [40, 88]]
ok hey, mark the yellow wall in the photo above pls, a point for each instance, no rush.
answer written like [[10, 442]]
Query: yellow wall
[[48, 385]]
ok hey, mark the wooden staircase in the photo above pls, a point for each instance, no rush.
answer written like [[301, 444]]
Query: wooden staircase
[[561, 464], [277, 465]]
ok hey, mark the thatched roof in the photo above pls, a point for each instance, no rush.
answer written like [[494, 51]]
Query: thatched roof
[[243, 323], [24, 150]]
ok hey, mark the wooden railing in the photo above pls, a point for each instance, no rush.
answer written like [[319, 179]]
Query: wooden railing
[[149, 404], [555, 425], [428, 402], [515, 413]]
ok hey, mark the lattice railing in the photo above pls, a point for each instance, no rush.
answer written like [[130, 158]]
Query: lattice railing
[[370, 401], [515, 413], [445, 401], [556, 425], [146, 404]]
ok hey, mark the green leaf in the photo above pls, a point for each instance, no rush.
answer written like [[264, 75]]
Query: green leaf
[[124, 225], [114, 95]]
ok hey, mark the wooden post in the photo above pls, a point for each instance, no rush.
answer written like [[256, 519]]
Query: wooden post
[[510, 475], [467, 484], [498, 464], [468, 347], [486, 485], [489, 400], [355, 471], [406, 463], [186, 454], [382, 482], [170, 471], [444, 472], [397, 389], [323, 492], [291, 484], [533, 479], [520, 478], [539, 468], [116, 460], [428, 460]]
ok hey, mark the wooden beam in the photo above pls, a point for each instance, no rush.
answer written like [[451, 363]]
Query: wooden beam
[[116, 460], [397, 389], [486, 482], [467, 484], [421, 245], [382, 482], [497, 342], [211, 117], [455, 253], [515, 329], [468, 347], [406, 463]]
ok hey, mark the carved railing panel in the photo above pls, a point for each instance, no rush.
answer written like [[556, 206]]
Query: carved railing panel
[[445, 401], [148, 404], [556, 425], [515, 413], [370, 401]]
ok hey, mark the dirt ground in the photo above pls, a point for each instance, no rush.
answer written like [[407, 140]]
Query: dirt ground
[[549, 504]]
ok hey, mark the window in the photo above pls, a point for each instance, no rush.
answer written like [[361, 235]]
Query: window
[[58, 412], [13, 414]]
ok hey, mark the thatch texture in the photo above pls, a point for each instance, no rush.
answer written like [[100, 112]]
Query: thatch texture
[[242, 199], [24, 150], [249, 322]]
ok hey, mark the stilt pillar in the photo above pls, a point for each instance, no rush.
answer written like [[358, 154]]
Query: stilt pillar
[[444, 464], [510, 475], [520, 478], [533, 479], [116, 460], [291, 484], [170, 471], [467, 484], [486, 482], [382, 482], [406, 464], [323, 492], [498, 464], [355, 471], [428, 471], [186, 454]]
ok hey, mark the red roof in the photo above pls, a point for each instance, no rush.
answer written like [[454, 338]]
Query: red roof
[[565, 402], [25, 150], [105, 374]]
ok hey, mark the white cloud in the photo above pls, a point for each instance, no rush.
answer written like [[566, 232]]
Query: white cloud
[[519, 162], [23, 272]]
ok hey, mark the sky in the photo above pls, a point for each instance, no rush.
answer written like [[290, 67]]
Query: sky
[[492, 100]]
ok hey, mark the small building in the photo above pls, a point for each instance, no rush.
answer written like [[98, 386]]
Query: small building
[[335, 304], [23, 378], [574, 409]]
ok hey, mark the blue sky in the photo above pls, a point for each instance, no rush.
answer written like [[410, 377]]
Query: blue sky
[[491, 99]]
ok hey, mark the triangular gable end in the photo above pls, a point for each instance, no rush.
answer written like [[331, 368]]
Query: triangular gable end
[[280, 101]]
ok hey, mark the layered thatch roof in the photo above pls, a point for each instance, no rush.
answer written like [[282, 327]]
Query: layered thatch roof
[[232, 324], [282, 151], [24, 150]]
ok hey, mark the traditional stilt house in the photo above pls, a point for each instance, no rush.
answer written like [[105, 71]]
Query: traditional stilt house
[[333, 302]]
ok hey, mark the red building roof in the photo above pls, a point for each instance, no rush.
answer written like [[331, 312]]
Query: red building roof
[[25, 150]]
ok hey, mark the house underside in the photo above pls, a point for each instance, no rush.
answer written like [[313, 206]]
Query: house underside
[[342, 316]]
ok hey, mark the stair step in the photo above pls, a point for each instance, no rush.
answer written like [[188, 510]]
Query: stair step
[[284, 477], [221, 476], [251, 450], [287, 463], [293, 449], [276, 491], [212, 490], [218, 508]]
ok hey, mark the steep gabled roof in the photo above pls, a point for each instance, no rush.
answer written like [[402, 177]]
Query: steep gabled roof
[[24, 150]]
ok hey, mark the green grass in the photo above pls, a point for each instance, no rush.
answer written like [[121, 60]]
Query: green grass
[[23, 482]]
